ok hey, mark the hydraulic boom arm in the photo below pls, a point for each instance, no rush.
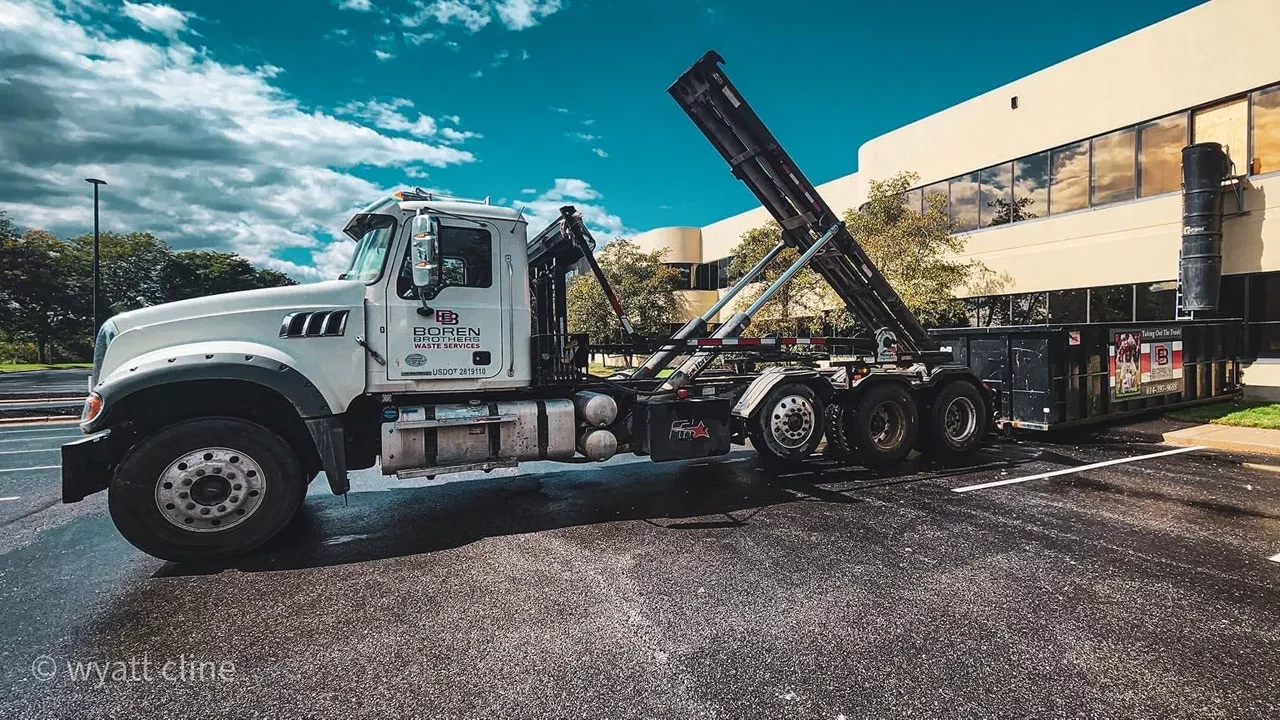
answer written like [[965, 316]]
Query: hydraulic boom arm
[[756, 158]]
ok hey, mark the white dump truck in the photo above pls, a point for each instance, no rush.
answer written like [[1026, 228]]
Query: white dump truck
[[445, 348]]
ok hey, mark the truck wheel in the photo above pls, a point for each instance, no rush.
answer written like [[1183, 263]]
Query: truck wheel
[[788, 425], [958, 421], [884, 426], [205, 489]]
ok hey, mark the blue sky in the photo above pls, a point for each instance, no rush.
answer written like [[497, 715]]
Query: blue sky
[[257, 126]]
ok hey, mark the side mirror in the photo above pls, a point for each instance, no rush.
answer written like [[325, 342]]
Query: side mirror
[[426, 251]]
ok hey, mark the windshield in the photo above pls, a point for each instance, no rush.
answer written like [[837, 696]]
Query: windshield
[[373, 234]]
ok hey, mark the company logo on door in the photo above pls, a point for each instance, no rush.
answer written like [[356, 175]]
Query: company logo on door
[[446, 334]]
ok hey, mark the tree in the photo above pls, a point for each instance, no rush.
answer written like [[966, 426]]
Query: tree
[[645, 286], [133, 266], [46, 285], [197, 273], [35, 299], [916, 252]]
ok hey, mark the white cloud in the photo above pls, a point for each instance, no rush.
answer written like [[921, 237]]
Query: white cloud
[[383, 55], [524, 54], [545, 208], [157, 18], [475, 15], [454, 119], [477, 74], [561, 110], [499, 58], [357, 5], [387, 115], [600, 152], [523, 14], [451, 135], [204, 154], [584, 137], [589, 122], [417, 39], [468, 13], [529, 191]]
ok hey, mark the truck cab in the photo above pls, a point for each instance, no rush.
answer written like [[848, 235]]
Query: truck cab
[[465, 330]]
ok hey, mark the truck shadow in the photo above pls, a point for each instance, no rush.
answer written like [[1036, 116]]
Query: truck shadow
[[721, 494]]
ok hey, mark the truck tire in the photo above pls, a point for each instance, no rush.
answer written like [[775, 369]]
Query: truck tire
[[788, 425], [957, 422], [838, 445], [884, 425], [206, 489]]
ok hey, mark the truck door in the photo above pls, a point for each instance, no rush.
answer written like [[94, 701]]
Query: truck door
[[462, 334]]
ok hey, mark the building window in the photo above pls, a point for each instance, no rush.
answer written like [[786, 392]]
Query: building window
[[1160, 144], [684, 275], [911, 200], [1226, 123], [1232, 296], [936, 194], [1069, 306], [709, 276], [995, 194], [1031, 186], [987, 311], [1264, 315], [1156, 301], [1266, 130], [1114, 167], [1069, 178], [1112, 303], [964, 202], [1030, 309]]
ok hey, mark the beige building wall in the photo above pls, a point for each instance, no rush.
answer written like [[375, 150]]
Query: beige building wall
[[1167, 67]]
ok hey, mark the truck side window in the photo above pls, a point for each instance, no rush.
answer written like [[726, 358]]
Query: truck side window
[[467, 254]]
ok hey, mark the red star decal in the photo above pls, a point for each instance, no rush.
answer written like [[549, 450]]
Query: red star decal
[[700, 431]]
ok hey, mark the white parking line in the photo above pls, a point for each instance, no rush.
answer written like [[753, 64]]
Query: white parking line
[[6, 499], [1275, 558], [1068, 471], [18, 452], [37, 467]]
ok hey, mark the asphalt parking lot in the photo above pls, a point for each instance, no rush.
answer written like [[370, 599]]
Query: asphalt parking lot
[[703, 589]]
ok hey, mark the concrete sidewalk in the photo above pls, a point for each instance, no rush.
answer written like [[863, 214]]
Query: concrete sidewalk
[[1255, 441]]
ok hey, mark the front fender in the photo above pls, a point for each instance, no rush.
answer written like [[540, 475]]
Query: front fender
[[244, 361]]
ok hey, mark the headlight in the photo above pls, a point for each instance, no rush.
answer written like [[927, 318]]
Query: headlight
[[106, 334], [92, 408]]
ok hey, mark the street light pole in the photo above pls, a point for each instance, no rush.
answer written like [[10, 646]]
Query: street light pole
[[97, 268]]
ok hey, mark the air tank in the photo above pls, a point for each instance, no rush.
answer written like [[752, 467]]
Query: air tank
[[595, 409], [597, 444], [1204, 167]]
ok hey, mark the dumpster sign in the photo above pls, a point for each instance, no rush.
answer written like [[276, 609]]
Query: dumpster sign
[[1145, 362]]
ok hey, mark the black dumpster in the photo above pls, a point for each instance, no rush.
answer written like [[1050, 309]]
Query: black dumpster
[[1052, 376]]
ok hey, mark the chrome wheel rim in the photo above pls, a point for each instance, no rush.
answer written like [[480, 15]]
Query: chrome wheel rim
[[888, 425], [792, 421], [960, 420], [210, 490]]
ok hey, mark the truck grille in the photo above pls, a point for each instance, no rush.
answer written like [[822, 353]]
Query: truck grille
[[320, 323]]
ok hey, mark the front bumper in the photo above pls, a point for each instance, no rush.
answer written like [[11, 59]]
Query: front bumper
[[87, 465]]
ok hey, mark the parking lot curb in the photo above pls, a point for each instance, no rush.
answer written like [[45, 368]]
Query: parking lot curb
[[38, 420], [1253, 441]]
